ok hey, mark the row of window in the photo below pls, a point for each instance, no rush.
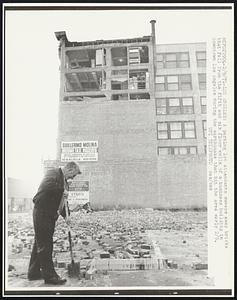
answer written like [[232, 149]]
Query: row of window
[[178, 130], [181, 82], [174, 106], [131, 55], [179, 60], [174, 82], [180, 150]]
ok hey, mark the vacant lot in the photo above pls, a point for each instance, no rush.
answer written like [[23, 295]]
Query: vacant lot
[[181, 237]]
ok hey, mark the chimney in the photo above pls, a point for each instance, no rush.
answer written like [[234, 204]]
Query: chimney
[[153, 39], [153, 30]]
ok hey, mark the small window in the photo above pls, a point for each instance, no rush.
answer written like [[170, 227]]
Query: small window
[[189, 130], [187, 105], [139, 96], [164, 151], [183, 56], [171, 57], [162, 126], [162, 135], [185, 82], [161, 106], [119, 72], [180, 150], [160, 83], [120, 96], [201, 58], [203, 100], [162, 131], [174, 102], [204, 126], [171, 64], [172, 83], [160, 79], [202, 81], [188, 101], [183, 60], [160, 57], [171, 61], [193, 150], [175, 130], [174, 106], [201, 55], [172, 79], [160, 61]]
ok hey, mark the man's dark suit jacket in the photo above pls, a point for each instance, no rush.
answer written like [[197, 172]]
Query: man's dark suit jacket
[[50, 191]]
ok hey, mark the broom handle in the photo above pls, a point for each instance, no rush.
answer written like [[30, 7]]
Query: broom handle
[[69, 231]]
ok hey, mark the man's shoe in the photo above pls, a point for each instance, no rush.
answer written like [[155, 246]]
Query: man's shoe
[[55, 281], [35, 277]]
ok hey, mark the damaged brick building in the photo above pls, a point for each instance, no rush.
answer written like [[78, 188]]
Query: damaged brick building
[[142, 107]]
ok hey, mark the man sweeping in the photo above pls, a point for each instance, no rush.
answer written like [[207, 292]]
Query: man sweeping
[[48, 205]]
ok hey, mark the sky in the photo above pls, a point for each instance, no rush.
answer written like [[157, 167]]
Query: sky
[[32, 67]]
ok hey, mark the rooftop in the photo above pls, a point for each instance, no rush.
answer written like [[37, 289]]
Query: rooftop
[[62, 35]]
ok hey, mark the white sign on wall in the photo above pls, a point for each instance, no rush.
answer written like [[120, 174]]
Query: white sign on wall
[[78, 193], [79, 151]]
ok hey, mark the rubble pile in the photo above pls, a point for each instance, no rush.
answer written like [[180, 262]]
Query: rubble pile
[[104, 234], [20, 234], [141, 219]]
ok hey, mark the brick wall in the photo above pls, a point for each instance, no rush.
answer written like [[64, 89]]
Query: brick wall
[[128, 170], [182, 181]]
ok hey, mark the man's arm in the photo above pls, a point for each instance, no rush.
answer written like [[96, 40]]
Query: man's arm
[[63, 213]]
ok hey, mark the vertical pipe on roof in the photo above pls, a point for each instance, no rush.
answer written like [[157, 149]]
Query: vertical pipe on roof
[[153, 36], [61, 52]]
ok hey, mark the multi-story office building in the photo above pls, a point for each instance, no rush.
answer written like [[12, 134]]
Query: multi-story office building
[[133, 114], [181, 99]]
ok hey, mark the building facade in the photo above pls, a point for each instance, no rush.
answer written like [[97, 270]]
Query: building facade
[[19, 196], [133, 114], [180, 96]]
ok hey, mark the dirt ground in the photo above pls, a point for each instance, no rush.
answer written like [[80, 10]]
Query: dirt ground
[[182, 239]]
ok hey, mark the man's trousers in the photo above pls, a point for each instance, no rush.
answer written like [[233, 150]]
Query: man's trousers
[[41, 262]]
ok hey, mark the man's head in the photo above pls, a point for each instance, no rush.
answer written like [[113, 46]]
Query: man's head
[[71, 170]]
